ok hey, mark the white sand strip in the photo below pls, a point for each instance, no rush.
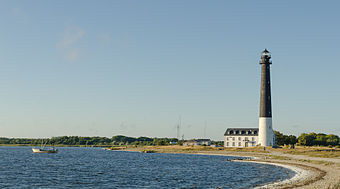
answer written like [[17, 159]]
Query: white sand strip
[[300, 175]]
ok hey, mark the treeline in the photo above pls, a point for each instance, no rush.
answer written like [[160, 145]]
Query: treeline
[[145, 141], [307, 139], [282, 139], [91, 141], [318, 139]]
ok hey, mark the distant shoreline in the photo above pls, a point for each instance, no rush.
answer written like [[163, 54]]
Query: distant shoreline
[[59, 145]]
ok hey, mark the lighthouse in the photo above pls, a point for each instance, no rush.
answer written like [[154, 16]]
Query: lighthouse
[[266, 133]]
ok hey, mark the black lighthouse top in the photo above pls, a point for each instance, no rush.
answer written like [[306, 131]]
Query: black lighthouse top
[[265, 99], [265, 58]]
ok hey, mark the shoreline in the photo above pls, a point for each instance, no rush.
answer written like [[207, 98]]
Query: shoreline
[[307, 174], [301, 175]]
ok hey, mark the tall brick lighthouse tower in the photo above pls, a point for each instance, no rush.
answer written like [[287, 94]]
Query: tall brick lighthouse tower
[[266, 133]]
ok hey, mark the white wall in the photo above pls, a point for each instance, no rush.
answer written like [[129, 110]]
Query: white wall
[[228, 141], [266, 137]]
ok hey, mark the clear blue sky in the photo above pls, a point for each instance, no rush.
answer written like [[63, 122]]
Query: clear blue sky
[[102, 68]]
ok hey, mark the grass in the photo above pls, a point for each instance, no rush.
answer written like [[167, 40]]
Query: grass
[[317, 162], [323, 152], [279, 157]]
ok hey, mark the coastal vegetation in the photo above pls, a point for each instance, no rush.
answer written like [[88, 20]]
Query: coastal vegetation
[[118, 140], [307, 139], [311, 139]]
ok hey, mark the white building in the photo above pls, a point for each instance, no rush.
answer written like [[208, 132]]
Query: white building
[[197, 142], [241, 137]]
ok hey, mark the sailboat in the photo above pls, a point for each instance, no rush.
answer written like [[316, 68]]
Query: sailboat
[[42, 149]]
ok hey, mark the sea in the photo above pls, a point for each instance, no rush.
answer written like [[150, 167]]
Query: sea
[[76, 167]]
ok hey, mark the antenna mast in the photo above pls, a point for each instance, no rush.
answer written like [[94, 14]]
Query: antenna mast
[[178, 127], [205, 128]]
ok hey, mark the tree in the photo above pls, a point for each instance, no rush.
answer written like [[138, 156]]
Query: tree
[[282, 139], [332, 140], [279, 138], [320, 139], [292, 140], [307, 139]]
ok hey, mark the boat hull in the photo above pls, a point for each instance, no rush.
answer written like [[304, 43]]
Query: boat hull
[[38, 150]]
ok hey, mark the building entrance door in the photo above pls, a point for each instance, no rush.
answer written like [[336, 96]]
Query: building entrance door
[[246, 144]]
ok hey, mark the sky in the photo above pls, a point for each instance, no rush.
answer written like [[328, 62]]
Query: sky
[[136, 68]]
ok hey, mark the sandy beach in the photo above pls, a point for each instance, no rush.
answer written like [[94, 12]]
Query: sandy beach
[[310, 172]]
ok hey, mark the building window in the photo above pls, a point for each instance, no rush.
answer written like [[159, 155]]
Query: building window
[[239, 144], [239, 138], [252, 139], [227, 143], [233, 143], [246, 138], [233, 138], [227, 138]]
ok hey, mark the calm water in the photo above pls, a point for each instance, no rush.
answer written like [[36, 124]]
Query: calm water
[[97, 168]]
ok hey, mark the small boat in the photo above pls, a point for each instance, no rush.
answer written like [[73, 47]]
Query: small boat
[[147, 151], [43, 150]]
